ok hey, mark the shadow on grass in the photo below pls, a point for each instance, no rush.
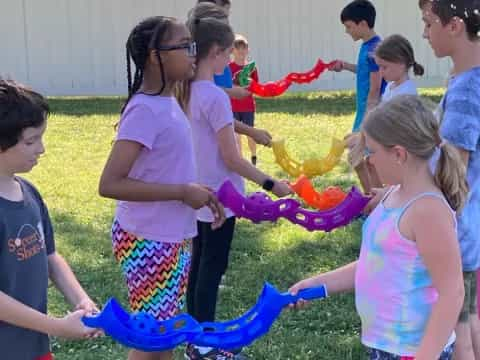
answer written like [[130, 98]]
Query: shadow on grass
[[324, 103], [328, 103], [79, 106], [89, 251]]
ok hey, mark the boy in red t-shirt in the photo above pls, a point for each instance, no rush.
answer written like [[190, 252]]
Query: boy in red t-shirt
[[243, 109]]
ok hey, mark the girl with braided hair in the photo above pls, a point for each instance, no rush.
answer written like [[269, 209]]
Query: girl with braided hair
[[151, 172]]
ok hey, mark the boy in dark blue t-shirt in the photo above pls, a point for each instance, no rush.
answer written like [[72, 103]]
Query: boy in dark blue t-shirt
[[358, 17]]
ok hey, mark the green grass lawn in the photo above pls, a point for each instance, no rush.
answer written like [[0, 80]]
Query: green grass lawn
[[78, 140]]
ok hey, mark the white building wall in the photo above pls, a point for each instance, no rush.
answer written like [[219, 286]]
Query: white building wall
[[76, 47]]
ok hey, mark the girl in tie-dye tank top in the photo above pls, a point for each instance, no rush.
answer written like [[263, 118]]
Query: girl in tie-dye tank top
[[408, 278]]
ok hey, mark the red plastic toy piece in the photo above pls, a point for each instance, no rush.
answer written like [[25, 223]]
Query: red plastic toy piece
[[277, 88]]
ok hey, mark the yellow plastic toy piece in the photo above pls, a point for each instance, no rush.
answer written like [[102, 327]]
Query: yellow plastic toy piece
[[310, 167]]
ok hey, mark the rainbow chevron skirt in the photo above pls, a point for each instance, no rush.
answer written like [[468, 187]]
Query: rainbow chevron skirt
[[156, 272]]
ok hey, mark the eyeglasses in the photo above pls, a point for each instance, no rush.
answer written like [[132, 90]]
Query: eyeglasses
[[190, 47]]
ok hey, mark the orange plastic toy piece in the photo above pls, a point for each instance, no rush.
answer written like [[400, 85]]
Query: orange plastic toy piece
[[331, 197]]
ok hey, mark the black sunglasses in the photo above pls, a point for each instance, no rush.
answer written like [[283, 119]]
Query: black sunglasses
[[190, 47]]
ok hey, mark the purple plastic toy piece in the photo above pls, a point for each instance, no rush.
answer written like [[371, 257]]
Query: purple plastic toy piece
[[260, 207]]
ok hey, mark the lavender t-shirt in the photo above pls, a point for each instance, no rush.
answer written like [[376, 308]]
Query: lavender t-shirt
[[160, 125], [210, 111]]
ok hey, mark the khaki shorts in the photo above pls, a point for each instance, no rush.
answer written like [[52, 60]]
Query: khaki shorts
[[470, 302]]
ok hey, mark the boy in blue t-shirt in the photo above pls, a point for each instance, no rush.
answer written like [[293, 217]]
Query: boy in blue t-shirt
[[452, 28], [358, 17]]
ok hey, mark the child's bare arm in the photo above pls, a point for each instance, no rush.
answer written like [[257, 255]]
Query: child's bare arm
[[374, 93], [15, 313], [115, 182], [343, 65], [237, 92], [260, 136], [377, 195], [434, 232], [65, 280], [236, 163], [350, 67], [336, 281]]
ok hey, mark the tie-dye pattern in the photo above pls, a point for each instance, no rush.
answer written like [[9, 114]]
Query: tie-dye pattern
[[393, 288]]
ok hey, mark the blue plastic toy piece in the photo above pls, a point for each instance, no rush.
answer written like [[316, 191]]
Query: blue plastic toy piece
[[256, 322], [143, 332]]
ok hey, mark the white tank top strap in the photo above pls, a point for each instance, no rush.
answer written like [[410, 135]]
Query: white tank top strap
[[389, 191]]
